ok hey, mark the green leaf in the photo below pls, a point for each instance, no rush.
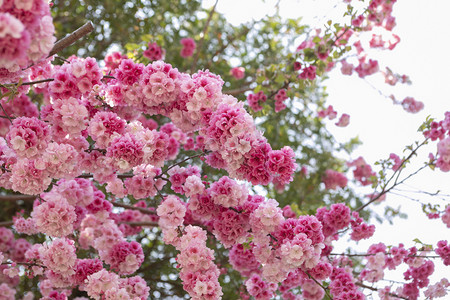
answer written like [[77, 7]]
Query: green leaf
[[280, 78]]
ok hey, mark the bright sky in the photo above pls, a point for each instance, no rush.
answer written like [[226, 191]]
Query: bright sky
[[383, 127]]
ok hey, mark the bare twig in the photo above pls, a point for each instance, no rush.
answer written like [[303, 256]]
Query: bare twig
[[143, 223], [375, 290], [72, 38], [6, 223], [238, 91], [17, 197], [141, 209], [395, 175], [319, 284], [180, 162], [200, 44], [6, 114]]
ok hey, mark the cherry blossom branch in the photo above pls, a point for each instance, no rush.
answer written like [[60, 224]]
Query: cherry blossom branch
[[142, 223], [180, 162], [6, 223], [121, 176], [395, 175], [6, 114], [72, 38], [28, 264], [230, 42], [127, 206], [376, 290], [238, 91], [17, 197], [370, 254], [200, 44], [321, 285]]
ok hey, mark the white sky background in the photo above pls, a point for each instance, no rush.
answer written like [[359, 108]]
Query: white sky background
[[383, 127]]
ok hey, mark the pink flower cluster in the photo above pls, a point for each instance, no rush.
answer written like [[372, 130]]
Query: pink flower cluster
[[27, 33], [336, 218], [28, 137], [260, 289], [280, 97], [334, 179], [360, 230], [328, 112], [76, 78], [243, 260], [344, 120], [125, 257], [411, 105], [154, 52], [342, 285], [189, 46], [308, 73], [254, 100], [443, 250], [238, 72], [363, 172], [228, 193], [113, 60]]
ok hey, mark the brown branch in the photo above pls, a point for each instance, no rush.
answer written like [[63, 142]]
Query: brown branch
[[127, 206], [17, 197], [395, 175], [28, 264], [143, 223], [200, 44], [6, 114], [238, 91], [180, 162], [72, 38], [121, 176], [370, 254], [229, 43], [6, 223], [376, 290], [318, 283]]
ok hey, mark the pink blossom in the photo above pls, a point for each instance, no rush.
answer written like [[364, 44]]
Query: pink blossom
[[55, 216], [344, 120], [333, 179], [411, 105], [59, 256], [154, 51], [189, 46], [238, 72]]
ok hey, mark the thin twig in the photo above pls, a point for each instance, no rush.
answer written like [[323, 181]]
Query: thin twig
[[200, 44], [17, 197], [324, 288], [28, 264], [238, 91], [6, 114], [72, 38], [395, 175], [376, 290], [6, 223], [373, 254], [179, 163], [141, 209], [142, 223]]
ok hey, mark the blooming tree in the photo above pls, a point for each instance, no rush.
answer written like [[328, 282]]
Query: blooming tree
[[164, 169]]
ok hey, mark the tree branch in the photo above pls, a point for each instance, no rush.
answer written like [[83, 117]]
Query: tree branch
[[143, 223], [17, 197], [72, 38], [127, 206], [376, 290], [200, 44], [6, 223]]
